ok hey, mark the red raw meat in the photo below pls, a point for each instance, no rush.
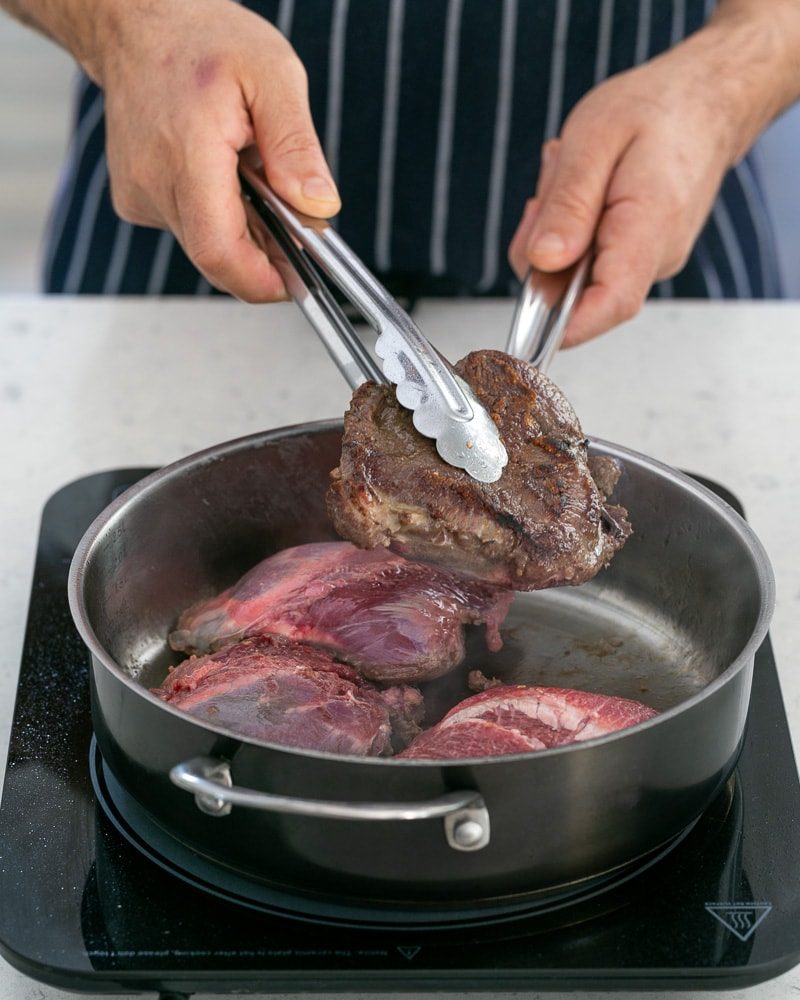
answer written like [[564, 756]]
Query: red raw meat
[[286, 692], [394, 619], [518, 719]]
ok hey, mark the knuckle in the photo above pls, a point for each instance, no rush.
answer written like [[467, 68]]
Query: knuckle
[[286, 70], [582, 126], [573, 203], [125, 205], [294, 69], [681, 200], [295, 142], [550, 147], [677, 200], [675, 262], [120, 203], [130, 174], [207, 256], [627, 303], [138, 177]]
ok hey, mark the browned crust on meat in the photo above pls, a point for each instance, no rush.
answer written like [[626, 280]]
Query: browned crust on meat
[[540, 525]]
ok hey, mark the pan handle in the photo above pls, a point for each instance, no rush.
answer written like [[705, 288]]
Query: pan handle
[[466, 819]]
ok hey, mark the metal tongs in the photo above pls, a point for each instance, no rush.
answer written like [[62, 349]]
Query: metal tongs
[[540, 322], [543, 310], [443, 405]]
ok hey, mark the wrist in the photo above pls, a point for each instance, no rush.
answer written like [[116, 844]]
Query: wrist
[[98, 45], [92, 32], [748, 54], [72, 24]]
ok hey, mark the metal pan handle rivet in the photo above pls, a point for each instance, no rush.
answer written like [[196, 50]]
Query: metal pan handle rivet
[[466, 819], [220, 773], [467, 830]]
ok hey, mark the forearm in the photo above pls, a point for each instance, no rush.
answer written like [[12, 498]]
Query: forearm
[[78, 26], [751, 49]]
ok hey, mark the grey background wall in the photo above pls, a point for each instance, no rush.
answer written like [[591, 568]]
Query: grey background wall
[[35, 91]]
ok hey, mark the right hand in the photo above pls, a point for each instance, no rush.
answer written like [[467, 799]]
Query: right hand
[[187, 86]]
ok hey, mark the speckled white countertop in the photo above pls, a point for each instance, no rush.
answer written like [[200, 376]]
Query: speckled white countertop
[[93, 384]]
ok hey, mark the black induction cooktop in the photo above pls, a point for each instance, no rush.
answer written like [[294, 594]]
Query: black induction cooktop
[[86, 907]]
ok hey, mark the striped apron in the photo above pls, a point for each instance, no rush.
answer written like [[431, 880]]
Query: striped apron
[[432, 114]]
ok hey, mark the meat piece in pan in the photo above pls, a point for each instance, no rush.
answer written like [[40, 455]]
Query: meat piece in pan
[[509, 719], [396, 620], [285, 692], [544, 523]]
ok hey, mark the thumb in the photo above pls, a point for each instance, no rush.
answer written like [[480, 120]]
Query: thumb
[[570, 207], [293, 159]]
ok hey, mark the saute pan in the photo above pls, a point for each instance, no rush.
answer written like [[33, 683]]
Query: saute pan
[[674, 622]]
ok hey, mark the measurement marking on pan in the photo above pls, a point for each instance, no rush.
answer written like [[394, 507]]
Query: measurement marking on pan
[[740, 918]]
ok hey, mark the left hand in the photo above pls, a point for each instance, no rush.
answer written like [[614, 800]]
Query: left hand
[[635, 172]]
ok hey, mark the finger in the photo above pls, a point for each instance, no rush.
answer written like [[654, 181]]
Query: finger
[[547, 168], [517, 249], [573, 199], [211, 224], [645, 232], [628, 256], [129, 199], [288, 143]]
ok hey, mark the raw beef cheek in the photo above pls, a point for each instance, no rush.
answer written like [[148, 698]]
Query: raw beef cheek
[[289, 693], [394, 619], [518, 719]]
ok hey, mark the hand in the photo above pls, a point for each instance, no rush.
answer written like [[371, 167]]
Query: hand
[[187, 86], [636, 170]]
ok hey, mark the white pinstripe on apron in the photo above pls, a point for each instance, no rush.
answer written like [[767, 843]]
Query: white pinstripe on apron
[[432, 113]]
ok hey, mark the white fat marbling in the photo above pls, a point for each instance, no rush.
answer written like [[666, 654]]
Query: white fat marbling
[[89, 384]]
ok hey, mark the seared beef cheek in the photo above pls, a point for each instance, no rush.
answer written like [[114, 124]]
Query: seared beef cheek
[[544, 523]]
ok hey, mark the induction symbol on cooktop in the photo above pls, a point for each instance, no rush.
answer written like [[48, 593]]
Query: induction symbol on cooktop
[[409, 951], [740, 919]]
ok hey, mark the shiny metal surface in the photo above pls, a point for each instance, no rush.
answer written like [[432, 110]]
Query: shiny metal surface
[[310, 293], [211, 782], [468, 829], [543, 309], [444, 407], [674, 622]]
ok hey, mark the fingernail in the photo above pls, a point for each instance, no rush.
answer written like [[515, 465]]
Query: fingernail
[[320, 189], [550, 244]]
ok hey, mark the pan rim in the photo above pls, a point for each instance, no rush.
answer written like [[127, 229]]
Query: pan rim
[[105, 520]]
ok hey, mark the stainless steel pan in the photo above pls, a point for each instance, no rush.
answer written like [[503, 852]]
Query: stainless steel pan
[[674, 622]]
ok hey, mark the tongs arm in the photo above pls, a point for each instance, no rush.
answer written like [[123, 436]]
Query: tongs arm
[[308, 290], [544, 307], [540, 321], [443, 406], [420, 367]]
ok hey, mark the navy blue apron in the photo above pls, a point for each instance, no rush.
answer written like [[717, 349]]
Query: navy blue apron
[[432, 114]]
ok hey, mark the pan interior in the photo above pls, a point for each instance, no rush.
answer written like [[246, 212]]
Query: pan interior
[[560, 638], [674, 609], [572, 638]]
